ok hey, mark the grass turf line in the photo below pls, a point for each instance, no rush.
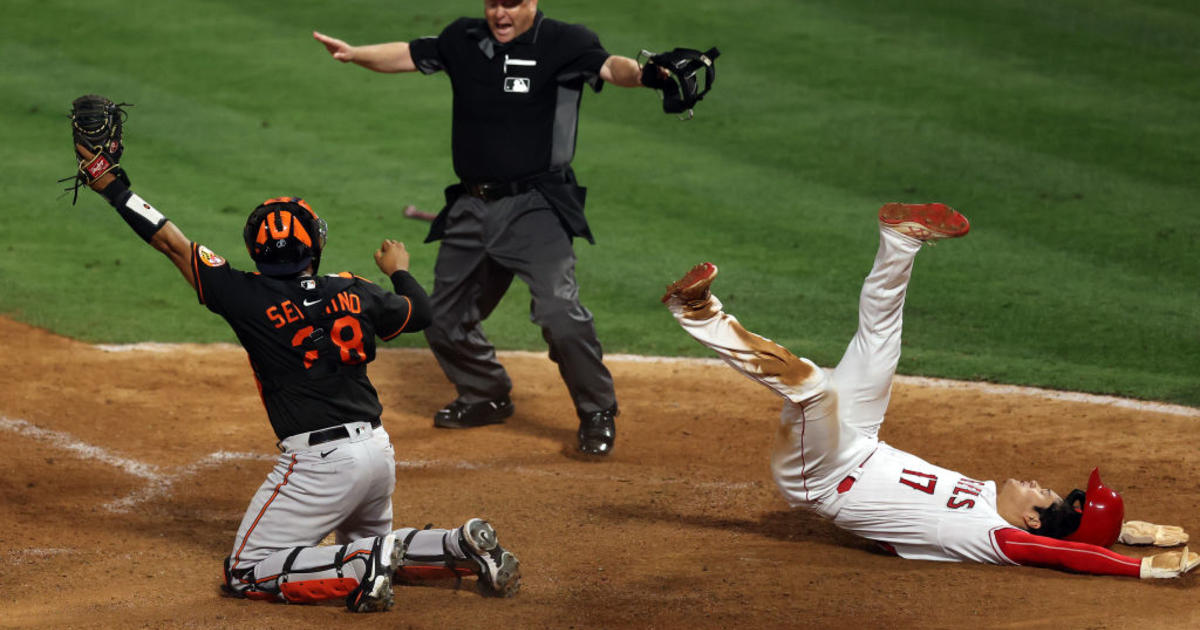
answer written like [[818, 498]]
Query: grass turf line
[[1067, 132]]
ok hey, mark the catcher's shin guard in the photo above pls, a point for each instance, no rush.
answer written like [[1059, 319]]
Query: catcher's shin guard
[[360, 572], [472, 549]]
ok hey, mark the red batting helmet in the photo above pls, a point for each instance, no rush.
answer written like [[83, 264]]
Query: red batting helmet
[[1103, 514]]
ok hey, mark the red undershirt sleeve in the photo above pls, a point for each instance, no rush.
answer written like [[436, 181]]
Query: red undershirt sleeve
[[1029, 549]]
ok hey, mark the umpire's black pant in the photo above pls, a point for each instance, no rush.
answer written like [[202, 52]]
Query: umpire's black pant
[[485, 244]]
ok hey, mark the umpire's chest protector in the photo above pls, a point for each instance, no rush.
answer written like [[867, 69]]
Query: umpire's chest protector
[[516, 105]]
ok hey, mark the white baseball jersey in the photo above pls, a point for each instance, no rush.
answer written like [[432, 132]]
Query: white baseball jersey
[[922, 511]]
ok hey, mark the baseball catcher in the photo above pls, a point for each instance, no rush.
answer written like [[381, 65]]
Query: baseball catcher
[[309, 339], [674, 75], [828, 457]]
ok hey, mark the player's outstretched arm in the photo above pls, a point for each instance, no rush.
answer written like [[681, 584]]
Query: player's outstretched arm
[[1025, 548], [390, 57], [145, 220]]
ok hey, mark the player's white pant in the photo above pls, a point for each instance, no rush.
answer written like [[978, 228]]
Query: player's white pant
[[830, 420], [344, 487]]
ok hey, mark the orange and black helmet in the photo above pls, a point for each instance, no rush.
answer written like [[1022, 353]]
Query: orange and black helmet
[[284, 236]]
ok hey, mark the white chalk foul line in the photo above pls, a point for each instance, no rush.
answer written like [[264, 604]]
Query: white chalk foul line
[[158, 481], [29, 556], [160, 488], [920, 381], [86, 451]]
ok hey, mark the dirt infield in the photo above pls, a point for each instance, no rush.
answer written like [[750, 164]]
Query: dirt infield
[[123, 476]]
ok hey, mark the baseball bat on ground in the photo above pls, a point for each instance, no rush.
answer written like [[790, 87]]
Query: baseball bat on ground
[[412, 212]]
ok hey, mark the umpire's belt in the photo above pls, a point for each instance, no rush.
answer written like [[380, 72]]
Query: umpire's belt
[[302, 441], [491, 191]]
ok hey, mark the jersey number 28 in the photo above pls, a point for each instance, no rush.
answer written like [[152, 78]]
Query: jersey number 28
[[350, 350]]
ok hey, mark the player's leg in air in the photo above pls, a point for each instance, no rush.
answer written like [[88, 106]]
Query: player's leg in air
[[863, 378], [829, 420]]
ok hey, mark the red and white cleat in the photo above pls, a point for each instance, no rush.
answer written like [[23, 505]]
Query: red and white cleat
[[924, 221], [693, 286]]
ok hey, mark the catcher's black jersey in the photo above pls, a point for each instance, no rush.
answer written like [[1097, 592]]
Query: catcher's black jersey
[[309, 339], [516, 105]]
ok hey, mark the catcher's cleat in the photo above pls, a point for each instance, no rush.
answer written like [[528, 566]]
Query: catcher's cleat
[[462, 415], [693, 286], [374, 591], [498, 569], [925, 222], [597, 431]]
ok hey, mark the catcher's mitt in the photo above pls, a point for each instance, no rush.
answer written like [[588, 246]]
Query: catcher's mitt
[[674, 74], [98, 124]]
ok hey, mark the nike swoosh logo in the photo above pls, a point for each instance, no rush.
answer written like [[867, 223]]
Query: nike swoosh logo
[[327, 452], [307, 303]]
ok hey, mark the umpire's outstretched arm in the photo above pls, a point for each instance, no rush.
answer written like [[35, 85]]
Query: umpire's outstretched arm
[[396, 57]]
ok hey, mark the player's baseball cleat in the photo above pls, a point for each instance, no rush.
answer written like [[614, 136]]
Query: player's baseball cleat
[[693, 286], [498, 569], [462, 415], [597, 430], [926, 222], [374, 591]]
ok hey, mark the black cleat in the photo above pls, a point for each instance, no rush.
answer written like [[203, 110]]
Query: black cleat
[[374, 592], [498, 569], [461, 415], [597, 430]]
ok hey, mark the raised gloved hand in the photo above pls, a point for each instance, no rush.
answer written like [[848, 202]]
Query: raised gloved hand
[[97, 124]]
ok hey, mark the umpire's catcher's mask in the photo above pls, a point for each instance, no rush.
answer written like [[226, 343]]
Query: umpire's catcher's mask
[[284, 236]]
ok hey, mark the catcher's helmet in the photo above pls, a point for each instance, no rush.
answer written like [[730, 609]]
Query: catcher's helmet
[[284, 236], [1103, 513]]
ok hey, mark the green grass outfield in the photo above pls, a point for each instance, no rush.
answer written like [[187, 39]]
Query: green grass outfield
[[1067, 130]]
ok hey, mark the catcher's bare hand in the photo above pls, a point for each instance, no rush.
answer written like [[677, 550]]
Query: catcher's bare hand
[[340, 50], [1143, 533], [391, 257], [1169, 564]]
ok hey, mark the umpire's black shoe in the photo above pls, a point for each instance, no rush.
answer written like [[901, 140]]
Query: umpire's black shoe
[[462, 415], [597, 430]]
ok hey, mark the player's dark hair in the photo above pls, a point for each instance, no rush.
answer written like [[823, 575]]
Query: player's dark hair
[[1062, 518]]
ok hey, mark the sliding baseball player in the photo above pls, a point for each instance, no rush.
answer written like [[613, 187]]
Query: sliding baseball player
[[828, 457]]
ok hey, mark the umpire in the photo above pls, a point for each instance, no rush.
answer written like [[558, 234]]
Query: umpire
[[517, 78]]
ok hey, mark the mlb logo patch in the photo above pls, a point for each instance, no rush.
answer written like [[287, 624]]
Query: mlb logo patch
[[519, 85]]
